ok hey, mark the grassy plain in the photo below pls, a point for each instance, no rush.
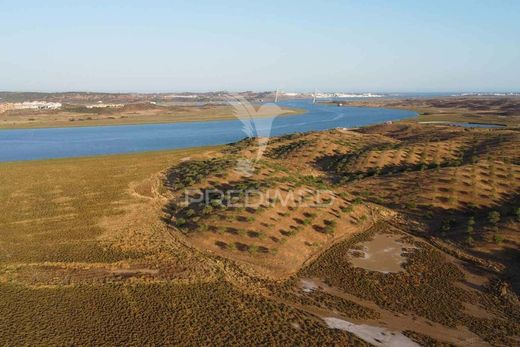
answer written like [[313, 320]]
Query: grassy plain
[[80, 116], [51, 210]]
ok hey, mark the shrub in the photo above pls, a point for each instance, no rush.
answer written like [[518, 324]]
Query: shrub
[[411, 205], [207, 209], [494, 217], [216, 203], [469, 227], [347, 209], [284, 150], [330, 226], [447, 225]]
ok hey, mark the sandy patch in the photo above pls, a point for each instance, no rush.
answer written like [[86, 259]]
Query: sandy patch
[[384, 253], [374, 335]]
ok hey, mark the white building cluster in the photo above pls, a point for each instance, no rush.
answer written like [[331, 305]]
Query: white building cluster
[[102, 105], [30, 105]]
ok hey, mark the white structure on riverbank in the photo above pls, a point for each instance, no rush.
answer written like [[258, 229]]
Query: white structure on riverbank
[[102, 105], [30, 105]]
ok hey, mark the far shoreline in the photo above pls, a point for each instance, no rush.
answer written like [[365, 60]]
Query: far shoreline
[[122, 121]]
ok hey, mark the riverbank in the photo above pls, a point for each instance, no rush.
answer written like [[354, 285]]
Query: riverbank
[[34, 144], [129, 115], [472, 110]]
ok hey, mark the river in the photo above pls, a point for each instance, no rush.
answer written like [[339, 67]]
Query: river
[[32, 144]]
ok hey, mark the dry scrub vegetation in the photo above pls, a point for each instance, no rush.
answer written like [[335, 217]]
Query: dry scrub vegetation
[[475, 109], [107, 251]]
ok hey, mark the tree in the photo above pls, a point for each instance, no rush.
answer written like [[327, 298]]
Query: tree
[[207, 209], [470, 226], [446, 225], [494, 217], [180, 222], [357, 201]]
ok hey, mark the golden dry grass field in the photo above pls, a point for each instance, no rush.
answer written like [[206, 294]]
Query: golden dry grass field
[[86, 259], [80, 116], [107, 251]]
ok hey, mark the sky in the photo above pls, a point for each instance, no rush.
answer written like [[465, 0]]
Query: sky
[[171, 46]]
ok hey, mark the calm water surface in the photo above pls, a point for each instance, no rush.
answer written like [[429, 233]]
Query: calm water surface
[[31, 144]]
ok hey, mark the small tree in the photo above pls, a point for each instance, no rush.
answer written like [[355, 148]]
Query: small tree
[[180, 222], [470, 226], [252, 249], [494, 217], [357, 201], [207, 209], [446, 225], [347, 209]]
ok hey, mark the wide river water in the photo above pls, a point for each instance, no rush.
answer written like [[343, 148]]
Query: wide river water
[[31, 144]]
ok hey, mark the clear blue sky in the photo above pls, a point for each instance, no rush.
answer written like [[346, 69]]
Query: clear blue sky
[[148, 46]]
